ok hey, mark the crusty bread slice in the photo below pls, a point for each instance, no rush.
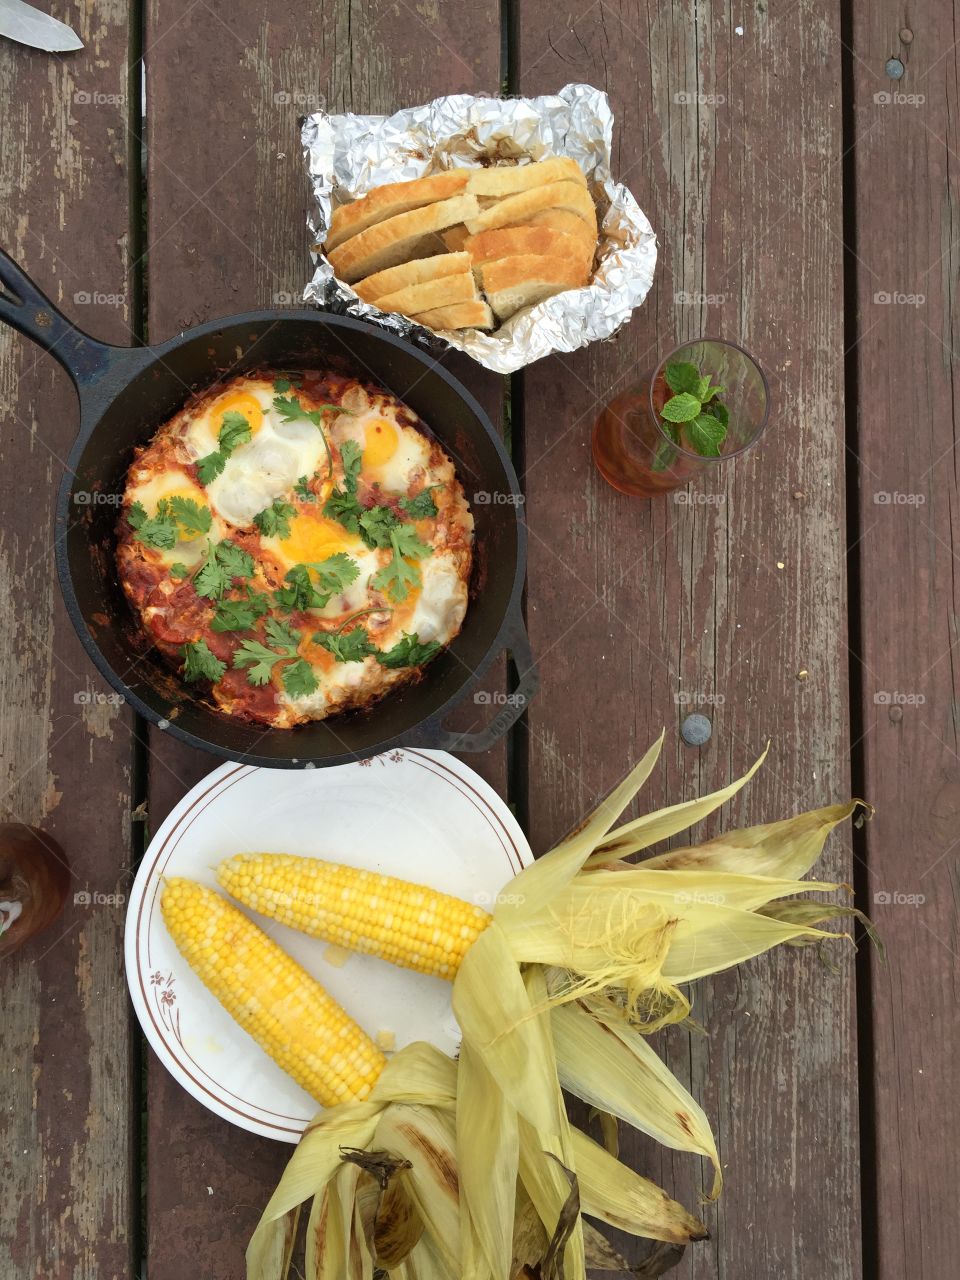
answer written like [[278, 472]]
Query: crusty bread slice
[[389, 201], [388, 243], [513, 210], [409, 273], [455, 237], [506, 180], [462, 315], [509, 242], [443, 292], [512, 283], [572, 223]]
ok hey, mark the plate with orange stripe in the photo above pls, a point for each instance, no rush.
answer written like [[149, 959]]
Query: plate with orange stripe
[[419, 815]]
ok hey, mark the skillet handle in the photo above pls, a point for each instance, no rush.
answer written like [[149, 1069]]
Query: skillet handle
[[23, 306], [510, 712]]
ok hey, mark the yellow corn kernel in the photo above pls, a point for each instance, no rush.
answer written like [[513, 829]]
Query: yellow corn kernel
[[272, 998], [407, 924]]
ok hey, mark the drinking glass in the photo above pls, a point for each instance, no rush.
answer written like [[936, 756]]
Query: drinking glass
[[633, 451]]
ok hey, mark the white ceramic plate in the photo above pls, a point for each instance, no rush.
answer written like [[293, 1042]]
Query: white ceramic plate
[[421, 815]]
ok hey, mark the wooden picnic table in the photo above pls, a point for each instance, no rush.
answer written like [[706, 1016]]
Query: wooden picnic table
[[804, 200]]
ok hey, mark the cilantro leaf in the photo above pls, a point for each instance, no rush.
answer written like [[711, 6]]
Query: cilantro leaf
[[234, 431], [291, 409], [706, 435], [375, 525], [191, 516], [345, 509], [681, 376], [422, 506], [257, 659], [224, 562], [299, 593], [179, 571], [239, 615], [396, 578], [333, 574], [348, 646], [286, 381], [274, 521], [298, 678], [282, 635], [210, 466], [158, 531], [336, 572], [409, 652], [302, 489], [681, 408], [200, 664], [351, 459]]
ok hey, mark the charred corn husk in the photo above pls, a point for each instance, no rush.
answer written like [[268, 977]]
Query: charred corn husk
[[277, 1002], [408, 924]]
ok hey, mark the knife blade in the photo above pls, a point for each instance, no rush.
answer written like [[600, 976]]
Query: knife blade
[[25, 24]]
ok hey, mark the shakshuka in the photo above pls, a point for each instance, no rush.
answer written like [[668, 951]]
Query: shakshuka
[[295, 544]]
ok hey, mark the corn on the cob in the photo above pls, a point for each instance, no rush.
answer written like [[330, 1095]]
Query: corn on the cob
[[408, 924], [286, 1011]]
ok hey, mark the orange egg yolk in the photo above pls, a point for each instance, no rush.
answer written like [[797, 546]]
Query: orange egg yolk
[[242, 402], [380, 441], [314, 538]]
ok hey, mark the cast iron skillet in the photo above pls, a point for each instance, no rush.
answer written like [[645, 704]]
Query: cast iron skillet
[[127, 392]]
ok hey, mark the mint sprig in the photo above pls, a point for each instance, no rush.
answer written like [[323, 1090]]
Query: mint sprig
[[693, 416]]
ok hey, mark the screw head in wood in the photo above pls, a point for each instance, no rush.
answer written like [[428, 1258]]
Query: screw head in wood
[[894, 68], [696, 730]]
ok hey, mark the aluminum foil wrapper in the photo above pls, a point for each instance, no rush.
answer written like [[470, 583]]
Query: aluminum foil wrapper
[[349, 155]]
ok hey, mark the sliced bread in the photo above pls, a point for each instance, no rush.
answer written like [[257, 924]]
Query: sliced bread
[[580, 223], [512, 283], [442, 292], [461, 315], [513, 210], [455, 237], [506, 180], [389, 201], [510, 242], [409, 273], [388, 243]]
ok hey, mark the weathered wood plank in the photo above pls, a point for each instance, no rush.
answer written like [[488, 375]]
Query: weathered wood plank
[[907, 377], [68, 1204], [227, 205], [633, 604]]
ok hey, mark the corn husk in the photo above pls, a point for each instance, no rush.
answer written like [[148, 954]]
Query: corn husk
[[585, 957]]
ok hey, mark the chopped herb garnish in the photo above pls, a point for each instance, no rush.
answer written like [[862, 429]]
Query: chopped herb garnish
[[302, 489], [343, 504], [274, 522], [234, 431], [175, 519], [200, 664], [240, 615], [375, 526], [179, 570], [298, 679], [422, 507], [346, 646], [409, 652], [397, 577], [333, 574], [223, 564], [258, 659]]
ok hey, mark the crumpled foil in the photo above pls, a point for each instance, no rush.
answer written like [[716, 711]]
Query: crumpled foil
[[351, 154]]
